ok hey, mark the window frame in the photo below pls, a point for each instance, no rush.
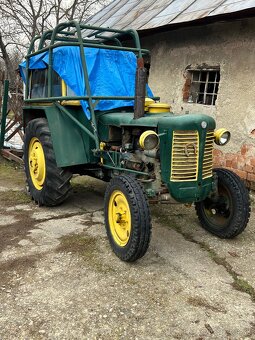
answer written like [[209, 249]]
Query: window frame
[[44, 86], [196, 90]]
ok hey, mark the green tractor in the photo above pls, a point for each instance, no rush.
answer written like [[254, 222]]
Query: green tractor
[[89, 110]]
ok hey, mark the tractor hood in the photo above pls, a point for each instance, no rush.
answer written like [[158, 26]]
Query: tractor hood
[[119, 119], [161, 120]]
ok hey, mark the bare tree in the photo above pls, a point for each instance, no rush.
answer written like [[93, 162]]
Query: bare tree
[[21, 20]]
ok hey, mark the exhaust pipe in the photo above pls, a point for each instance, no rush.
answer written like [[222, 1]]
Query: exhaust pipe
[[140, 89]]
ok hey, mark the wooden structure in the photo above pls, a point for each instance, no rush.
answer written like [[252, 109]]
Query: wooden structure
[[11, 133]]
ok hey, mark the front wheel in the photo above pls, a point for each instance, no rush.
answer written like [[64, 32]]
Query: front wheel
[[227, 214], [127, 218]]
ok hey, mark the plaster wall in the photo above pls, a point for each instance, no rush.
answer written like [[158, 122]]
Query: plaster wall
[[231, 45]]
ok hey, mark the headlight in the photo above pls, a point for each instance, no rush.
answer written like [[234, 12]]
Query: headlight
[[222, 136], [149, 140]]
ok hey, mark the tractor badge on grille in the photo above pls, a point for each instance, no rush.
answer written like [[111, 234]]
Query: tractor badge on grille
[[190, 148]]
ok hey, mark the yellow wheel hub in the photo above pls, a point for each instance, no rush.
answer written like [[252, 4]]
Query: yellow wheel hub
[[119, 218], [36, 161]]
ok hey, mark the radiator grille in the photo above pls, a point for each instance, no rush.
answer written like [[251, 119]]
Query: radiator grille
[[208, 155], [185, 151]]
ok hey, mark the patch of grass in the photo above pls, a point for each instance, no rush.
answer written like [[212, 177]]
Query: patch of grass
[[11, 172], [19, 265], [244, 286], [198, 301], [77, 243], [14, 197], [87, 247]]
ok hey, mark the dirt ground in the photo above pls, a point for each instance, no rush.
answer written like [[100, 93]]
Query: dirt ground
[[60, 280]]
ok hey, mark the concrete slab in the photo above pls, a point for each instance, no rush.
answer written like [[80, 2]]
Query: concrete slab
[[60, 280], [238, 252]]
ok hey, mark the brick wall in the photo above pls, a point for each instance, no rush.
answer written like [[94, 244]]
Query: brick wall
[[241, 162]]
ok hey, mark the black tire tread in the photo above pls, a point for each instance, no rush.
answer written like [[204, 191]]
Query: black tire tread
[[242, 211], [141, 220], [57, 182]]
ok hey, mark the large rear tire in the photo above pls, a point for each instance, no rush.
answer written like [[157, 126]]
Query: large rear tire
[[127, 218], [47, 184], [227, 214]]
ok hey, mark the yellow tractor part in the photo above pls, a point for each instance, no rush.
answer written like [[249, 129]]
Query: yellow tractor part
[[37, 165], [64, 94], [149, 140], [222, 136], [148, 101], [119, 217], [158, 108], [102, 146]]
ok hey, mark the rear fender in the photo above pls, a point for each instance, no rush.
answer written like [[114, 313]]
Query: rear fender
[[72, 146]]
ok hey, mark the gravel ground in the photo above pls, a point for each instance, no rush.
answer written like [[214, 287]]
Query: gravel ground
[[60, 280]]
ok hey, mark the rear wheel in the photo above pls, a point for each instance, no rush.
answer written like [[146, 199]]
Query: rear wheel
[[47, 184], [127, 218], [227, 214]]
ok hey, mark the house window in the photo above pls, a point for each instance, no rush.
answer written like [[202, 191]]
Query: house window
[[202, 86]]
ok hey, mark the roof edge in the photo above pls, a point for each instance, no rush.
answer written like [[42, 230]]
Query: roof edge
[[244, 14]]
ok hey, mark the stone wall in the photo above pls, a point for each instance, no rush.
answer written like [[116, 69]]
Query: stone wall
[[231, 46]]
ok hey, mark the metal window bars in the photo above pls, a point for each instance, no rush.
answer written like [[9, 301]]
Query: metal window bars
[[204, 86]]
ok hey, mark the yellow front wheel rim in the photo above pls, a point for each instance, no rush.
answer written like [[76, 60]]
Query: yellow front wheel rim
[[37, 166], [119, 218]]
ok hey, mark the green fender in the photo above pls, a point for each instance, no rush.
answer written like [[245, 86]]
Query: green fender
[[72, 146]]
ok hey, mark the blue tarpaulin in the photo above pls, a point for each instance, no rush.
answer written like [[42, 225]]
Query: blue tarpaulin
[[111, 73]]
